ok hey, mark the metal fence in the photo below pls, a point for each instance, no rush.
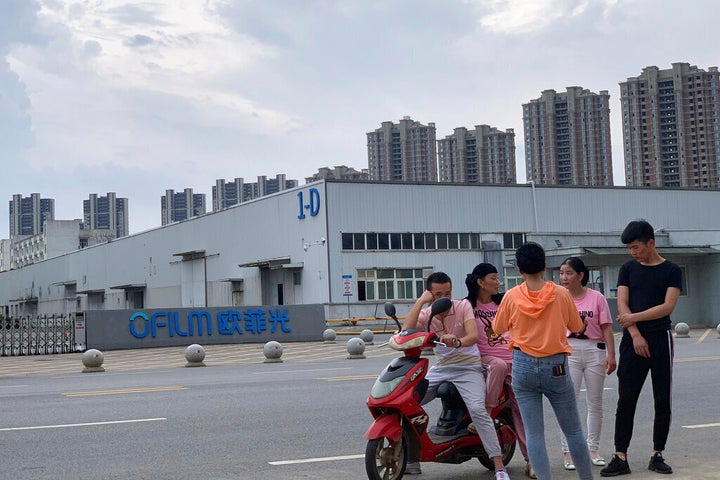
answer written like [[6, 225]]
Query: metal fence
[[40, 334]]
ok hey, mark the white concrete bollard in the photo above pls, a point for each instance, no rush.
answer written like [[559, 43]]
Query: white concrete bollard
[[195, 354], [93, 360], [355, 348], [718, 330], [367, 336], [682, 330], [273, 351], [329, 335]]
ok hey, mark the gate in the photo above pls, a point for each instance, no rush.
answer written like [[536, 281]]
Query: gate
[[40, 334]]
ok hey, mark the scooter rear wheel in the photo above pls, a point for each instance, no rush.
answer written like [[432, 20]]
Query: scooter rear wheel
[[385, 459], [507, 448]]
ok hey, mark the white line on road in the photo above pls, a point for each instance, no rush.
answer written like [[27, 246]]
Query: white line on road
[[306, 370], [704, 335], [13, 386], [91, 424], [703, 425], [320, 459]]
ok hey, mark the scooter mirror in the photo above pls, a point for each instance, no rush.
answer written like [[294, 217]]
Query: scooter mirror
[[441, 305], [390, 309]]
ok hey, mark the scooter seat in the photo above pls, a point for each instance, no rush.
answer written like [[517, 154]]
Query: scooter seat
[[450, 396]]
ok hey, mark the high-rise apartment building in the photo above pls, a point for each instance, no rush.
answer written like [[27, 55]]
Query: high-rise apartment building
[[403, 151], [670, 127], [181, 206], [567, 138], [482, 155], [339, 172], [226, 194], [28, 214], [106, 213]]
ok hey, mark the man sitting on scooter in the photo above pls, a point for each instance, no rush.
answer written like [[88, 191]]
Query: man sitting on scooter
[[458, 362]]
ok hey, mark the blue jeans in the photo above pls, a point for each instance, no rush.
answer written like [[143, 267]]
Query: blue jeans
[[531, 379]]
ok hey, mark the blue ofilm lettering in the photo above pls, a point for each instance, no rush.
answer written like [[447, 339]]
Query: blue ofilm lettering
[[200, 316], [228, 322], [154, 323], [134, 332]]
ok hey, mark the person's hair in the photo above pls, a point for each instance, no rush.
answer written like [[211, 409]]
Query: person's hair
[[437, 277], [579, 266], [481, 270], [530, 258], [637, 230]]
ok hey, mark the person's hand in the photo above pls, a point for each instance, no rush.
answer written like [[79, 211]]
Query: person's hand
[[641, 346], [610, 365], [426, 297], [626, 320], [450, 340]]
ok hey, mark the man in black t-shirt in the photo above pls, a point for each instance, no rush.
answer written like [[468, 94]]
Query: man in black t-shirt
[[648, 289]]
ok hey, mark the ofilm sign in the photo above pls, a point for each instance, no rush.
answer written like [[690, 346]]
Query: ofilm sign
[[117, 329]]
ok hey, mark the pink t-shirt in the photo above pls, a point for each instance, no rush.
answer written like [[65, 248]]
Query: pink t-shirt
[[490, 343], [453, 323], [593, 308]]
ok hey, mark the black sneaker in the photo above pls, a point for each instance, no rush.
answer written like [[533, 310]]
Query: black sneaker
[[657, 464], [617, 466]]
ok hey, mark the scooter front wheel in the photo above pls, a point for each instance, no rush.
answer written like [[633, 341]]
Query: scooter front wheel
[[385, 459]]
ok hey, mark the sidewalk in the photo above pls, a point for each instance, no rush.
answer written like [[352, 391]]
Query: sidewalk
[[174, 357]]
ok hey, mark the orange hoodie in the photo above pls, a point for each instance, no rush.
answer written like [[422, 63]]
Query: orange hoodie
[[538, 321]]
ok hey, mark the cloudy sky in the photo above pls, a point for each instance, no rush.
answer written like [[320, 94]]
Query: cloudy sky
[[136, 97]]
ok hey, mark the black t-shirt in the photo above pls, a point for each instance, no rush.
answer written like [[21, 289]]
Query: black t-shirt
[[648, 286]]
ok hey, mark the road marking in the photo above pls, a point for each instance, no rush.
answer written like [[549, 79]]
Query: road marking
[[13, 386], [697, 359], [123, 391], [91, 424], [702, 337], [351, 377], [704, 425], [306, 370], [312, 460]]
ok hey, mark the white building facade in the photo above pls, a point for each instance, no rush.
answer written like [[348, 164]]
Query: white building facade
[[351, 246]]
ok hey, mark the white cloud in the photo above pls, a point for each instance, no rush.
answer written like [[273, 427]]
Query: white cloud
[[526, 16], [118, 70]]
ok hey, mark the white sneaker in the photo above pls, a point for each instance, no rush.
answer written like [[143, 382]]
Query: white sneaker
[[501, 475], [413, 468]]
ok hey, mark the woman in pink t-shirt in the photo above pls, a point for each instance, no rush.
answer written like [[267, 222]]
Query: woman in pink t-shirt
[[593, 355], [483, 285]]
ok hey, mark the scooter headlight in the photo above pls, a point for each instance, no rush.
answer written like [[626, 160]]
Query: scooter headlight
[[383, 389]]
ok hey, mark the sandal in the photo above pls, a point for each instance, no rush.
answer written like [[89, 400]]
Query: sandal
[[529, 471]]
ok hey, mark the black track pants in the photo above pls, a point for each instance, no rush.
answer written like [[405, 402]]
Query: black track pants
[[632, 372]]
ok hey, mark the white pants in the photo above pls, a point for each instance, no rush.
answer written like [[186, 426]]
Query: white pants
[[587, 363], [470, 382]]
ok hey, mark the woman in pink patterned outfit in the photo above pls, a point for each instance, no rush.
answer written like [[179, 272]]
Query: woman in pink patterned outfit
[[483, 285], [593, 354]]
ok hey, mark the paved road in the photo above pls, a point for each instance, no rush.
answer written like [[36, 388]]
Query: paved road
[[147, 417]]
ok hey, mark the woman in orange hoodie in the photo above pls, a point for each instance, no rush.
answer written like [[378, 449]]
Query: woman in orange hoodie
[[537, 315]]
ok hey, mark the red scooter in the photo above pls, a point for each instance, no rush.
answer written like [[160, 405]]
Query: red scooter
[[401, 429]]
